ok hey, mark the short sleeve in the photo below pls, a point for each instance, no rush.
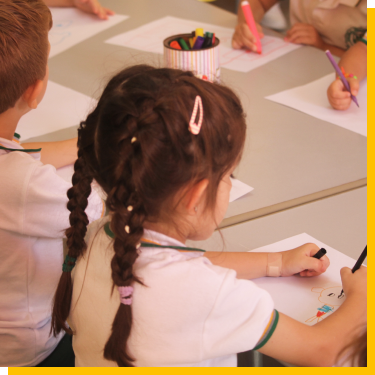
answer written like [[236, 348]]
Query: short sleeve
[[45, 201], [241, 314]]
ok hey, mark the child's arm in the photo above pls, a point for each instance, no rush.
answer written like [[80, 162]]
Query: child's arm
[[354, 61], [88, 6], [303, 33], [59, 154], [319, 345], [251, 265], [242, 37]]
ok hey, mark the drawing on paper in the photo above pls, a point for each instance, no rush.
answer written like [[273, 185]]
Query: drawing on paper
[[331, 297], [59, 32]]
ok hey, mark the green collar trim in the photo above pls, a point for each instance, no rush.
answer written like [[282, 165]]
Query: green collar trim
[[108, 231], [21, 149]]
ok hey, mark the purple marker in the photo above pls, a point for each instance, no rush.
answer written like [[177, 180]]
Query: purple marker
[[343, 79], [198, 43]]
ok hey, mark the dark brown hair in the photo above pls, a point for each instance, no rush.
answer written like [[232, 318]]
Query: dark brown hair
[[24, 26], [154, 106]]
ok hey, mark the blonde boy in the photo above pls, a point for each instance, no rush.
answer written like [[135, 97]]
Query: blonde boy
[[33, 213]]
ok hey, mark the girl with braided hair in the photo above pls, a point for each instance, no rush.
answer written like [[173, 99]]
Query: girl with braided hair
[[162, 144]]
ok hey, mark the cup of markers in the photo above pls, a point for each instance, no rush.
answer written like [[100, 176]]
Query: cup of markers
[[197, 51]]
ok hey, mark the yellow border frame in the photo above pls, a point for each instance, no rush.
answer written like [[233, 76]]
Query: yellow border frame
[[264, 370]]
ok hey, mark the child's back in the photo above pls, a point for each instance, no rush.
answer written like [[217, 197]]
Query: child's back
[[33, 213], [188, 313]]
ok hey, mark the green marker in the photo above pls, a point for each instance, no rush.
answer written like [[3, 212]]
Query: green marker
[[183, 44]]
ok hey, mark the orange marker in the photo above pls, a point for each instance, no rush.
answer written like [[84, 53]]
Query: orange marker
[[175, 45]]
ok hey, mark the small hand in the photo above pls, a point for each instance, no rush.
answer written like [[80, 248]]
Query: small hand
[[302, 33], [94, 7], [299, 260], [354, 283], [338, 96], [243, 37]]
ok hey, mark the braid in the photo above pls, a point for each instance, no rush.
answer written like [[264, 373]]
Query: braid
[[78, 199], [128, 212]]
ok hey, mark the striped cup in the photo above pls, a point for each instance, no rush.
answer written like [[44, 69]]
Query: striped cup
[[203, 62]]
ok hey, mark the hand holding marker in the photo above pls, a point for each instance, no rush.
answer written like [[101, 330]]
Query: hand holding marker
[[358, 264], [341, 75], [251, 23]]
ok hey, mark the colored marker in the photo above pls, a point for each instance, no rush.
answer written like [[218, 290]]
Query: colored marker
[[207, 42], [213, 39], [199, 32], [358, 264], [183, 44], [198, 43], [174, 45], [251, 23], [191, 42], [320, 253], [343, 79]]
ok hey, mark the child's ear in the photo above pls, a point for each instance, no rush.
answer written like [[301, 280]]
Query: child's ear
[[195, 195], [30, 96]]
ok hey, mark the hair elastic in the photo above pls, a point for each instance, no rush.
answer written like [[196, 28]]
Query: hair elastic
[[133, 139], [68, 267], [126, 293], [193, 127]]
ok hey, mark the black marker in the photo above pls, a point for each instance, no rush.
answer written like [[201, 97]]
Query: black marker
[[358, 264], [320, 253]]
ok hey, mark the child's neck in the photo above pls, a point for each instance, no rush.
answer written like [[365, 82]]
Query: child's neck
[[8, 123], [167, 230]]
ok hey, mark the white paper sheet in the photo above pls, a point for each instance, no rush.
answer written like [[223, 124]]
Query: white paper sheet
[[312, 100], [300, 297], [239, 189], [60, 108], [150, 38], [72, 26]]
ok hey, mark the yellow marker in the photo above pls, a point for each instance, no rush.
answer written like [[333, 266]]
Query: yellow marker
[[191, 42], [199, 32]]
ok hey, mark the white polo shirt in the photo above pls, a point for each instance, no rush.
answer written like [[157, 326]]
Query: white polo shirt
[[33, 218], [188, 313]]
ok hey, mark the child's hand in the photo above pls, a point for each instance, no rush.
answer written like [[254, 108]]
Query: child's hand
[[302, 33], [299, 260], [354, 283], [93, 6], [243, 37], [338, 97]]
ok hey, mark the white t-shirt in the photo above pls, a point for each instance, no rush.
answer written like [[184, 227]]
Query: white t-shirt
[[33, 217], [340, 22], [189, 313]]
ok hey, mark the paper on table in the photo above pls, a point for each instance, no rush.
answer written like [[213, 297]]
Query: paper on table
[[150, 38], [300, 297], [60, 108], [312, 100], [238, 190], [72, 26]]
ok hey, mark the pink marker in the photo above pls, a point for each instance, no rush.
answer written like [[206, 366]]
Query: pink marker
[[251, 23]]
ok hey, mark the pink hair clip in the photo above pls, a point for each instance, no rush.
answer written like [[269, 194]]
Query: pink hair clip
[[126, 293], [193, 127]]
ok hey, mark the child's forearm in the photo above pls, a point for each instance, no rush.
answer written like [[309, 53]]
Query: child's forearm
[[354, 60], [59, 154], [341, 327], [247, 265], [337, 51]]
